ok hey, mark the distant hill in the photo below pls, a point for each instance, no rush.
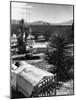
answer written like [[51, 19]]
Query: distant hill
[[65, 23], [40, 23], [47, 23], [17, 22], [43, 23], [14, 22]]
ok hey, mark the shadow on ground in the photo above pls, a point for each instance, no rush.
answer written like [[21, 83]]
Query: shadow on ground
[[27, 58], [16, 94]]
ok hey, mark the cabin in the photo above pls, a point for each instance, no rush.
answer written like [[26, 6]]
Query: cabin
[[31, 80]]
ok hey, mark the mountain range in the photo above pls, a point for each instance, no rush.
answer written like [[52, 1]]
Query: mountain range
[[47, 23], [44, 23]]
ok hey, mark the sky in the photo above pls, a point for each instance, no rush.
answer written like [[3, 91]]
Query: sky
[[32, 12]]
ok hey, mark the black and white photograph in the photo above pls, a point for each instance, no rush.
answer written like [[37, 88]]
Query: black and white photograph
[[41, 49]]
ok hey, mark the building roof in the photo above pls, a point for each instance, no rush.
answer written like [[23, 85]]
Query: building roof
[[41, 37], [33, 74], [30, 76], [30, 37]]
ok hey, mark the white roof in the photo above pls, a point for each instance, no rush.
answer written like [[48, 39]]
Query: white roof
[[40, 45], [33, 74], [28, 76], [41, 36]]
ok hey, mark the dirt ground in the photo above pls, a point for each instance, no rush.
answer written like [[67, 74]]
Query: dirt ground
[[66, 88]]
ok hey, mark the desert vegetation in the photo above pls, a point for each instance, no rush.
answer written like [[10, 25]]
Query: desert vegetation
[[60, 54]]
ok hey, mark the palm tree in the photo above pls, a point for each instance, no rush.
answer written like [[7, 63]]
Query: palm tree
[[58, 54]]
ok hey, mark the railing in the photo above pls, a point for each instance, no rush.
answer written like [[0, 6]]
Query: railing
[[45, 88]]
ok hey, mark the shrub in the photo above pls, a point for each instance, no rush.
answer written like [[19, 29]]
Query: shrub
[[59, 54]]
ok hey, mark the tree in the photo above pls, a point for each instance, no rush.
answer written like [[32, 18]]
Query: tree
[[58, 54], [21, 42]]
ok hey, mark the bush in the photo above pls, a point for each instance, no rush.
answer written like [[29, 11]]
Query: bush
[[58, 53]]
